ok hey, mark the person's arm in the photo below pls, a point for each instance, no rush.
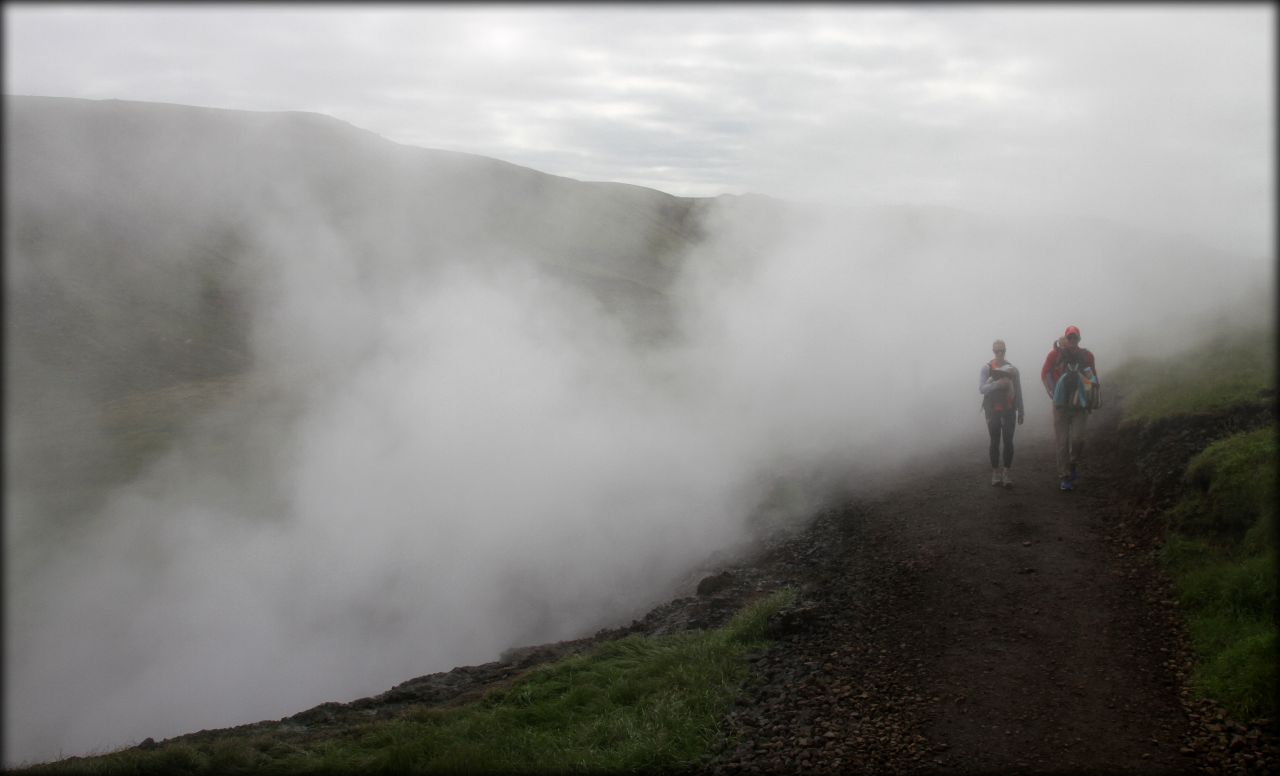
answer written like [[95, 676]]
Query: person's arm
[[1017, 395], [1089, 358], [984, 375], [1046, 370], [992, 385]]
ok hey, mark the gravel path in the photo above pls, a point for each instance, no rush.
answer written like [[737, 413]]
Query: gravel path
[[950, 626]]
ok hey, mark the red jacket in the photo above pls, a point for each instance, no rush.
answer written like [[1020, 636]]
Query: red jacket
[[1052, 369]]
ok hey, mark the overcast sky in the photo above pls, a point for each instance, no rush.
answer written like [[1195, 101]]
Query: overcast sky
[[1157, 115]]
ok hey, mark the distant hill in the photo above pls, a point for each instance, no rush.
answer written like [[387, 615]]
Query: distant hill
[[139, 235], [128, 241]]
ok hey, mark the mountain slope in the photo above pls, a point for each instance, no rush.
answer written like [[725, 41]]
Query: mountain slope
[[133, 224], [145, 242]]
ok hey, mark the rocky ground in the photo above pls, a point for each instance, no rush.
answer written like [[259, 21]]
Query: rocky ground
[[944, 625]]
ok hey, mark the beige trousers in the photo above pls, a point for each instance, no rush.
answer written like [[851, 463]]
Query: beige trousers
[[1068, 430]]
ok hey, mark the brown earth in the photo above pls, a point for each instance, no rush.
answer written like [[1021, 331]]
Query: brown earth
[[944, 625]]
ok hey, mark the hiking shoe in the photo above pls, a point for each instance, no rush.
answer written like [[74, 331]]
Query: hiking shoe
[[1065, 484], [1005, 479], [995, 476]]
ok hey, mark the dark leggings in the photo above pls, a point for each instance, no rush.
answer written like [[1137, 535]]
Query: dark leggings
[[1001, 424]]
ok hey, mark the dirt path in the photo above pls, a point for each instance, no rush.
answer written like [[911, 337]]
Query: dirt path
[[958, 627]]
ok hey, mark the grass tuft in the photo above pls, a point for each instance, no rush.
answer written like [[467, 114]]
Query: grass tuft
[[1245, 673], [1231, 487]]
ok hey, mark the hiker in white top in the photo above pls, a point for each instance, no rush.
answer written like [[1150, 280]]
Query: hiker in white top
[[1001, 389]]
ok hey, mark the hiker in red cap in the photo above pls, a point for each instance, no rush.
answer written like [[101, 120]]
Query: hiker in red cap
[[1071, 380]]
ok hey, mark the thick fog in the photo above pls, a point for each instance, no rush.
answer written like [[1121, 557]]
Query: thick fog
[[431, 463]]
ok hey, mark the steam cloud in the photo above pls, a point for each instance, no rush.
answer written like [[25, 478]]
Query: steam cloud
[[430, 465]]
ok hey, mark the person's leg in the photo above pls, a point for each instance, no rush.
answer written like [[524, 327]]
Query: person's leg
[[1063, 442], [1078, 422], [993, 449], [1010, 422]]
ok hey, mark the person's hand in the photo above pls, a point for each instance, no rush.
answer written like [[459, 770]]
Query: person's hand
[[1020, 418]]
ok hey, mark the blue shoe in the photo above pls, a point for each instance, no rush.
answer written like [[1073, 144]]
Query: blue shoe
[[1065, 484]]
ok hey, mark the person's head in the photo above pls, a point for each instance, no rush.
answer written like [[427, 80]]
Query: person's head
[[998, 348], [1071, 336]]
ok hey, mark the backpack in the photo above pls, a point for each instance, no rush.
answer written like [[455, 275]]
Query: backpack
[[988, 400], [1077, 386]]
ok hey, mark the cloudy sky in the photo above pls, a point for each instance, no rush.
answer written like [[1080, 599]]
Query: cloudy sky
[[1158, 115]]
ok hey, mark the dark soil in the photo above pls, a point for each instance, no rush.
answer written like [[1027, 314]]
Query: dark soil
[[947, 625]]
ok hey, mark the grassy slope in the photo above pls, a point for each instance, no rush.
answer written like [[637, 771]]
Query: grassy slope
[[632, 704], [1220, 550], [1229, 369]]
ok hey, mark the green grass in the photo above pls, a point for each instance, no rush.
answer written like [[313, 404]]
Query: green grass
[[635, 704], [1220, 545], [1228, 599], [1221, 555], [1227, 370], [1230, 484]]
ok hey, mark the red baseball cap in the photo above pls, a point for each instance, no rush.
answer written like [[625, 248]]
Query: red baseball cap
[[1071, 330]]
